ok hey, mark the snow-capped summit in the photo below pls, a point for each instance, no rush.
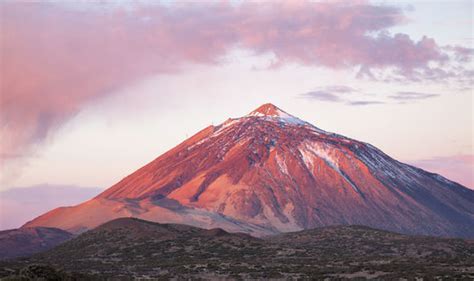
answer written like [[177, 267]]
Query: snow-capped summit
[[269, 110], [270, 172]]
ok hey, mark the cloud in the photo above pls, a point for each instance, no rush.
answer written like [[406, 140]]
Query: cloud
[[322, 96], [364, 102], [412, 96], [458, 168], [56, 58], [331, 93], [461, 53], [338, 94]]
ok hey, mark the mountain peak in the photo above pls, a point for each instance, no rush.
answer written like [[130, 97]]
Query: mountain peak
[[268, 109], [272, 111]]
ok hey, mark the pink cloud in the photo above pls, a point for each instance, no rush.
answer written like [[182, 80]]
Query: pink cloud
[[459, 168], [461, 53], [56, 58]]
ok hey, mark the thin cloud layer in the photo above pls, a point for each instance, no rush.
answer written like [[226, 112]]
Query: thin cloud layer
[[331, 93], [412, 96], [56, 58], [365, 102], [338, 94], [458, 168]]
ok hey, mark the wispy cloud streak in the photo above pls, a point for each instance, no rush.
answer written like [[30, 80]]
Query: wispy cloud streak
[[348, 96], [332, 93], [338, 94], [364, 102], [412, 96]]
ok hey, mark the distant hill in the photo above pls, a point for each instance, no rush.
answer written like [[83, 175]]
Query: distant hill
[[27, 241], [128, 248]]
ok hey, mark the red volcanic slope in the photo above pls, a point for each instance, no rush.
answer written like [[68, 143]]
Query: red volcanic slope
[[271, 172]]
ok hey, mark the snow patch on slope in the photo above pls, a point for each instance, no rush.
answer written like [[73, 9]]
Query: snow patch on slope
[[325, 152], [281, 164], [269, 112], [281, 119], [222, 128], [374, 159]]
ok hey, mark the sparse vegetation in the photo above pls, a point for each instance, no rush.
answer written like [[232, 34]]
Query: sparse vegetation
[[143, 250]]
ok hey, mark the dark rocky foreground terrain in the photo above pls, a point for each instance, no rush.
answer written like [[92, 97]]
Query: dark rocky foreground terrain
[[129, 248]]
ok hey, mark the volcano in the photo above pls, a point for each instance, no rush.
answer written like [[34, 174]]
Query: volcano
[[269, 172]]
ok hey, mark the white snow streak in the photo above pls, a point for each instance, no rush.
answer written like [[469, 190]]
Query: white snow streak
[[375, 160], [325, 152], [281, 164]]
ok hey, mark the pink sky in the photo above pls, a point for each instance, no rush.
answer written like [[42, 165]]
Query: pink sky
[[363, 69]]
